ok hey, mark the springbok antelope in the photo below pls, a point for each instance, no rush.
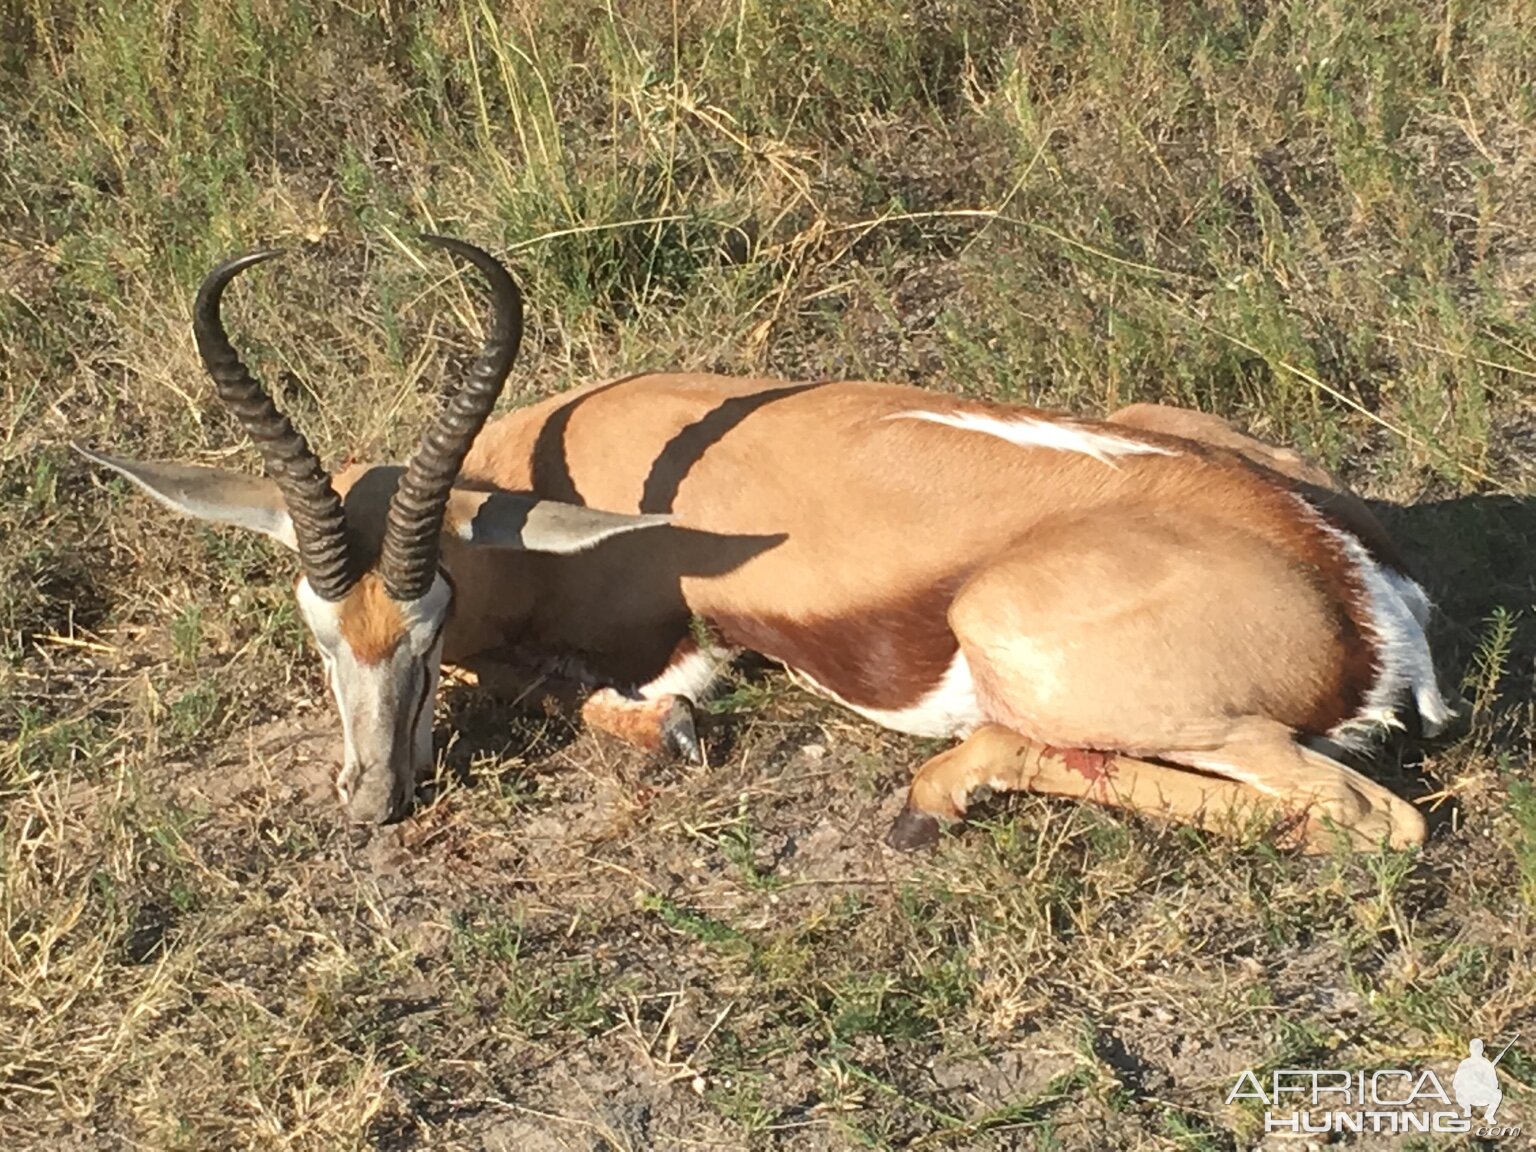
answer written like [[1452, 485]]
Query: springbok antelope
[[1154, 612]]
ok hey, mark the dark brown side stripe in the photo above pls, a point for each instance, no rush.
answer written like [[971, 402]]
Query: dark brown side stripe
[[888, 656]]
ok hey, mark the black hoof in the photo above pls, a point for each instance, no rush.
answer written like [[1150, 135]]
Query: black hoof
[[913, 830], [679, 736]]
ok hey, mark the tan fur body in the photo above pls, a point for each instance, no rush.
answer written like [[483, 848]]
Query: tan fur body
[[1140, 605]]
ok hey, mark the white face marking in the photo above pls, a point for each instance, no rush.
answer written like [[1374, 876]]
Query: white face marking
[[1397, 610], [949, 708], [385, 707], [1033, 432]]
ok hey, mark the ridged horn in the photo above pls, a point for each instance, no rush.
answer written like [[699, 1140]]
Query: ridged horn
[[319, 521], [408, 558]]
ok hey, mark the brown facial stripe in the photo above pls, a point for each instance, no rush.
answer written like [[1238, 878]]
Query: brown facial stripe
[[888, 656], [371, 623]]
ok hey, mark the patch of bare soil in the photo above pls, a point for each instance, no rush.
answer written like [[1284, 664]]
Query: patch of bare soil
[[592, 830]]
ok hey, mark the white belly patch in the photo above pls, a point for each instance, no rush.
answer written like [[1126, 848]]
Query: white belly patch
[[949, 708]]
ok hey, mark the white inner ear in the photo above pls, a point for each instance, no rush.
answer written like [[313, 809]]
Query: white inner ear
[[212, 494], [511, 520]]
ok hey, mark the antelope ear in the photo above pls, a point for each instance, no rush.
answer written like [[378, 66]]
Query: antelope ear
[[512, 520], [213, 494]]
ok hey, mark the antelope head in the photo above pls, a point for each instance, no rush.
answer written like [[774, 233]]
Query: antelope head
[[372, 589]]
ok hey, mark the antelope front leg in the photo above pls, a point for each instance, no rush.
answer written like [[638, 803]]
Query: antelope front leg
[[520, 684], [664, 724], [1002, 760], [658, 715]]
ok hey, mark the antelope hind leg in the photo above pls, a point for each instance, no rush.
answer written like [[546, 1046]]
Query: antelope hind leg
[[1264, 755], [1003, 760]]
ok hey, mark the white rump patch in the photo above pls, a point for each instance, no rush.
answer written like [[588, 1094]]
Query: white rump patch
[[949, 708], [1032, 432], [1436, 713], [1397, 610]]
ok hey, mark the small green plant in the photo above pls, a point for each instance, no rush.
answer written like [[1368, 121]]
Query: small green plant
[[187, 633], [1491, 660], [1522, 808], [687, 922], [193, 712]]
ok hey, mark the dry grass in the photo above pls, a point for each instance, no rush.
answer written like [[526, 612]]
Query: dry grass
[[1315, 218]]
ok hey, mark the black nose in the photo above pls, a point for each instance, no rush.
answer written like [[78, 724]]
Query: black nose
[[376, 799]]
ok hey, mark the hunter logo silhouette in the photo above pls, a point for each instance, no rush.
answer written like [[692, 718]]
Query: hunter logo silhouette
[[1476, 1083]]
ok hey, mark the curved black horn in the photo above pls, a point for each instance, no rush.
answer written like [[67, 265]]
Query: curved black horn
[[408, 560], [319, 522]]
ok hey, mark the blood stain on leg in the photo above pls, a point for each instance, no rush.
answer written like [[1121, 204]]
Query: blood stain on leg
[[1095, 767]]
